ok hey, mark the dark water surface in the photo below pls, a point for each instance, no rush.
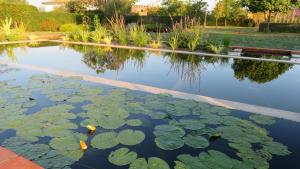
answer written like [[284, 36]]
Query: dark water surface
[[260, 83], [273, 85]]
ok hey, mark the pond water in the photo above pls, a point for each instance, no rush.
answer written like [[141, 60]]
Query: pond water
[[43, 117]]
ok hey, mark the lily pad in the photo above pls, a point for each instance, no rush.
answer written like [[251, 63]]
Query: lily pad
[[131, 137], [264, 120], [153, 163], [122, 157], [169, 137], [191, 124], [69, 145], [196, 141], [105, 140], [134, 122]]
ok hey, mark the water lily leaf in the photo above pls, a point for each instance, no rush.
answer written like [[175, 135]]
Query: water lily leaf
[[131, 137], [105, 140], [276, 148], [169, 137], [122, 157], [264, 120], [180, 165], [191, 124], [69, 145], [153, 163], [134, 122], [196, 141]]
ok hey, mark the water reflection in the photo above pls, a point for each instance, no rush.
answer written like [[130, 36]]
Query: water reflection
[[188, 67], [259, 72]]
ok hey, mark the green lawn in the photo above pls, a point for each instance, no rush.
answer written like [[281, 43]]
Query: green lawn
[[250, 37]]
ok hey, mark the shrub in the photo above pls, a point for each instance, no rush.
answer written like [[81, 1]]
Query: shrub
[[280, 27], [49, 25], [227, 39], [32, 18], [71, 27], [118, 27], [84, 36], [98, 35], [174, 39], [193, 38], [2, 36], [156, 43], [214, 48], [139, 36]]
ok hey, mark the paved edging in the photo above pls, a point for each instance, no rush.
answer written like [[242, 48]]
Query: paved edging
[[22, 41], [288, 115]]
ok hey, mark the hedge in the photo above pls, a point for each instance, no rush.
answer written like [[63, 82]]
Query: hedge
[[280, 27], [35, 20]]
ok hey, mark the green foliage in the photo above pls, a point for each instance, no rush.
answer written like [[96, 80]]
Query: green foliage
[[153, 163], [32, 18], [169, 137], [7, 26], [227, 40], [280, 27], [260, 119], [71, 27], [259, 72], [13, 32], [157, 43], [49, 25], [214, 48], [138, 35], [174, 39], [84, 36], [122, 157], [118, 27], [122, 7]]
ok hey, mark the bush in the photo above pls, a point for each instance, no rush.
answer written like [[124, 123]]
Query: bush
[[139, 36], [49, 25], [227, 40], [71, 27], [2, 37], [32, 18], [280, 27]]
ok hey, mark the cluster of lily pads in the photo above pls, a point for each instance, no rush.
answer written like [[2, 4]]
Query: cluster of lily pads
[[118, 114]]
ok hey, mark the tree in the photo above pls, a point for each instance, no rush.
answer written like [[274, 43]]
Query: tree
[[269, 7], [14, 1], [175, 7], [197, 8], [121, 7], [219, 11]]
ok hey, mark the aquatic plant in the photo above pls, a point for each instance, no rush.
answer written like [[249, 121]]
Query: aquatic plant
[[214, 48], [6, 26], [138, 35], [174, 39], [84, 36], [118, 27], [157, 43], [122, 156], [153, 163]]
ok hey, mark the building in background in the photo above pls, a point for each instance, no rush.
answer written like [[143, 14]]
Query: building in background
[[51, 5]]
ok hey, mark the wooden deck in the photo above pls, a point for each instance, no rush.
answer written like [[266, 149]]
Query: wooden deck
[[10, 160]]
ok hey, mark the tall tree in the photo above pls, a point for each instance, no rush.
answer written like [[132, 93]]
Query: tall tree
[[219, 11], [270, 6]]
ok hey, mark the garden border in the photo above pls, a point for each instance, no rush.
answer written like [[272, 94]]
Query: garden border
[[282, 114]]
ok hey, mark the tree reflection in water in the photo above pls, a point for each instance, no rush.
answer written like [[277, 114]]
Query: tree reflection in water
[[188, 67], [259, 71], [102, 59]]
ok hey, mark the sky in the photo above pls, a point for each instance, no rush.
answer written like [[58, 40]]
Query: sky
[[211, 3]]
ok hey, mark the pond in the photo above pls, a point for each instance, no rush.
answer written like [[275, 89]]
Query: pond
[[44, 116]]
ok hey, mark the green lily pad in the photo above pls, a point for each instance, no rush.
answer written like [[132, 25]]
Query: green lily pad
[[276, 148], [134, 122], [191, 124], [196, 141], [105, 140], [131, 137], [264, 120], [122, 157], [169, 137], [69, 145], [180, 165], [153, 163]]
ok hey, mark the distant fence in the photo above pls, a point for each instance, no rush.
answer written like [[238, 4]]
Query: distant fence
[[280, 27]]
